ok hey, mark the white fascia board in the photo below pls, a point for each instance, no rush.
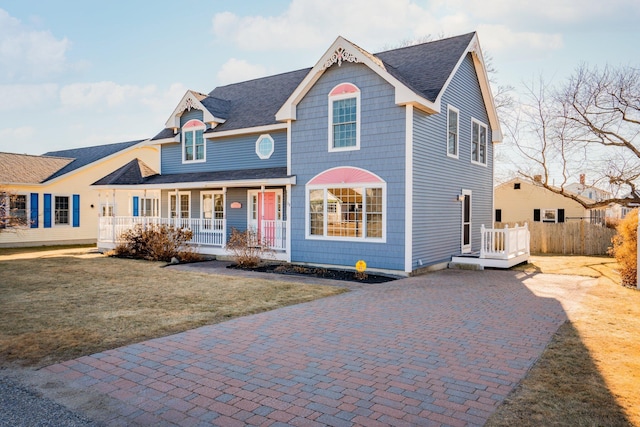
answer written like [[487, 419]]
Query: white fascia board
[[165, 140], [485, 87], [202, 185], [190, 100], [342, 50], [245, 131]]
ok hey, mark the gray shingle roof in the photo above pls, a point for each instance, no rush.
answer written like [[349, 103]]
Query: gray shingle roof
[[86, 155], [425, 67], [133, 172], [28, 169], [127, 178]]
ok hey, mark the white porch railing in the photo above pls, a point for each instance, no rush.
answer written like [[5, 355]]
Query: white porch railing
[[504, 243], [207, 232]]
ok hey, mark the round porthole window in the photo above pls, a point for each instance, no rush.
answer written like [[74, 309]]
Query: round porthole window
[[264, 146]]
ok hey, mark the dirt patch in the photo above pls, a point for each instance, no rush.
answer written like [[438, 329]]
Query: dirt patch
[[321, 273]]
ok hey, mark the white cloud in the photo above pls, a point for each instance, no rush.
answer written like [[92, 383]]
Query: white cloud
[[500, 38], [102, 94], [237, 70], [26, 97], [17, 134], [27, 53]]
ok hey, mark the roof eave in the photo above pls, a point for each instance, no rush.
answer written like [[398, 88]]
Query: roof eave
[[290, 180]]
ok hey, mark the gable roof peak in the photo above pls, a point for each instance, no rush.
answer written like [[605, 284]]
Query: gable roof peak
[[192, 100]]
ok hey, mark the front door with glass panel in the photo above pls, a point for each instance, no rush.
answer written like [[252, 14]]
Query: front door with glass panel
[[265, 212], [466, 222]]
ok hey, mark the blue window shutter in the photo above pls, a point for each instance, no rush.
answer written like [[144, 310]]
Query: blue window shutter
[[47, 211], [136, 203], [34, 210], [76, 210]]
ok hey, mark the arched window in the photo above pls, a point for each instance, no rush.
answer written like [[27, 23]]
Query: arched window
[[344, 118], [346, 203], [193, 145]]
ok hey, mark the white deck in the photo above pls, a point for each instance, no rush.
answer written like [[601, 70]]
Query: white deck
[[499, 248]]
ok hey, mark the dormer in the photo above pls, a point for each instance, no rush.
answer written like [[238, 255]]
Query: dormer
[[191, 100]]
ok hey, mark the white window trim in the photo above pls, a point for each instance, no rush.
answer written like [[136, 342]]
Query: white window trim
[[203, 128], [155, 206], [339, 97], [364, 238], [224, 206], [104, 205], [457, 155], [555, 215], [7, 204], [178, 212], [273, 146], [466, 248], [53, 210], [486, 145]]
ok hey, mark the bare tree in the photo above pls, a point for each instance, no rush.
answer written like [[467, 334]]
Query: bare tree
[[591, 126], [13, 212]]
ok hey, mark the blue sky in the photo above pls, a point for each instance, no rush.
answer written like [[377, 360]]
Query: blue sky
[[81, 73]]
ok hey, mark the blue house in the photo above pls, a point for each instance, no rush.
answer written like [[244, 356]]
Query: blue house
[[386, 158]]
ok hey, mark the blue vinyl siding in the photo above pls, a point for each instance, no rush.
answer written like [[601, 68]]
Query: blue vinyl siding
[[382, 151], [438, 179], [34, 210], [233, 153], [76, 210], [190, 115], [47, 211], [237, 218]]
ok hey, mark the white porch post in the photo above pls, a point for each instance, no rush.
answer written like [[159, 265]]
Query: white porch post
[[177, 207], [224, 216], [288, 223], [113, 215], [261, 219]]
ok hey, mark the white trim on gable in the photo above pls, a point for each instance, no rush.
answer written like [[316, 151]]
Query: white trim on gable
[[342, 51], [191, 100]]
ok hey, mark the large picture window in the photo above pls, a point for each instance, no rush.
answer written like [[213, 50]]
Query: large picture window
[[354, 209], [193, 145], [212, 210], [344, 118], [182, 209]]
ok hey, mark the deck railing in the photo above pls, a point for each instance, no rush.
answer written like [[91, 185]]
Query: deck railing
[[504, 243], [206, 232]]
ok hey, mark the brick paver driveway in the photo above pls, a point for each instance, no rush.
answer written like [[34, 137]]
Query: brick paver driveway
[[440, 349]]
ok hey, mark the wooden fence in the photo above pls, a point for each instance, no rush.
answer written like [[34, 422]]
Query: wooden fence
[[568, 238]]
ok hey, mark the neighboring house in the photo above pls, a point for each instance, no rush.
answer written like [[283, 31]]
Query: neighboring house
[[520, 200], [595, 194], [54, 195], [386, 158]]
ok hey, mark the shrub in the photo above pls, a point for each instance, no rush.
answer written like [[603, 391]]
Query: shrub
[[625, 248], [157, 243], [246, 247]]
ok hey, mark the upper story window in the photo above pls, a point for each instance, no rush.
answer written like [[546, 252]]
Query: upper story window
[[478, 142], [265, 146], [344, 118], [193, 145], [452, 132]]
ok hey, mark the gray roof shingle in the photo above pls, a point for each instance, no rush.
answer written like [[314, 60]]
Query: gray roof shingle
[[28, 169], [133, 172], [86, 155], [424, 68], [124, 176]]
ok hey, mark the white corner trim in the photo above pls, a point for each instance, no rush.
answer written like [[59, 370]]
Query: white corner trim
[[408, 197]]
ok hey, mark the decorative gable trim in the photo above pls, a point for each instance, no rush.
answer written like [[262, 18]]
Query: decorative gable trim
[[190, 101], [342, 50]]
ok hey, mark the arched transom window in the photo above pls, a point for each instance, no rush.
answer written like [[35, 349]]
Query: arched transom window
[[344, 118], [193, 145], [346, 203]]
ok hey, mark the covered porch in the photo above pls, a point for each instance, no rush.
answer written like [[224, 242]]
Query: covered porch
[[499, 248], [208, 204]]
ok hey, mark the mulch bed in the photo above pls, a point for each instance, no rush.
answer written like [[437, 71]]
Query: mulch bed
[[322, 273]]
